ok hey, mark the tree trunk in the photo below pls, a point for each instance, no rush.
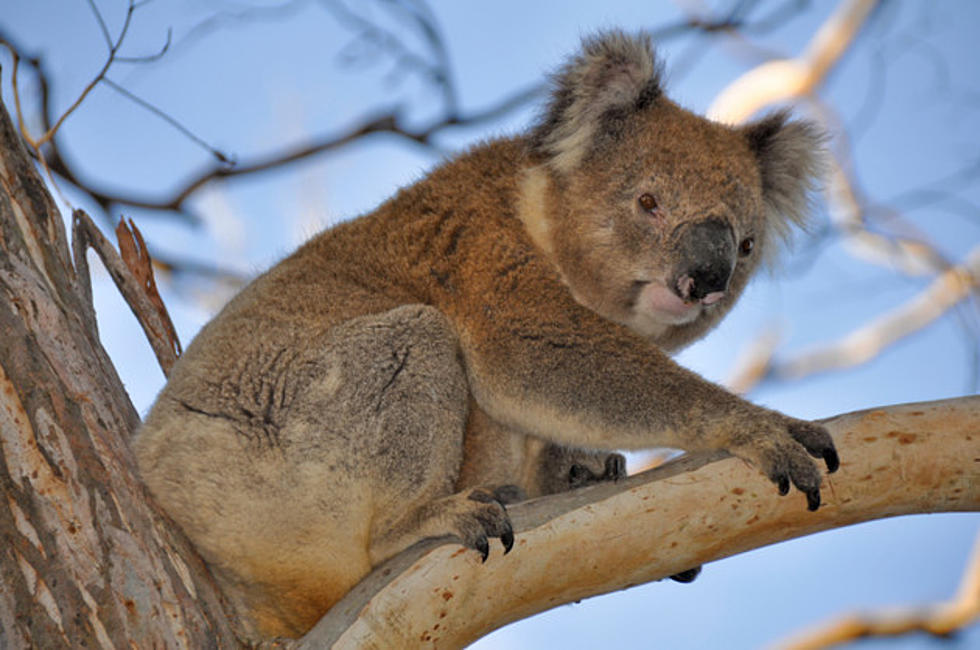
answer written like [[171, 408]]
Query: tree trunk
[[86, 561]]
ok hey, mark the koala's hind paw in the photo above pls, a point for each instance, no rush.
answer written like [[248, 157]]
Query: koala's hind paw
[[615, 469], [488, 519], [472, 516], [687, 576], [783, 453]]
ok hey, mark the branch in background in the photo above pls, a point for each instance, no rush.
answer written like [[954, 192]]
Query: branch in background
[[112, 44], [788, 79], [913, 257], [45, 148], [948, 289], [438, 72], [797, 79], [940, 620], [226, 18], [417, 18]]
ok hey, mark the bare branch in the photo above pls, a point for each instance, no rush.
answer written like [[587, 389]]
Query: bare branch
[[224, 18], [685, 513], [946, 290], [152, 318], [418, 18], [101, 21], [911, 256]]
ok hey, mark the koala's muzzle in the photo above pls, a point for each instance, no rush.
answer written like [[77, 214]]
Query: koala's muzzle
[[707, 259]]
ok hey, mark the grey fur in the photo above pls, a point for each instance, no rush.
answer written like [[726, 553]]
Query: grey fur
[[496, 330]]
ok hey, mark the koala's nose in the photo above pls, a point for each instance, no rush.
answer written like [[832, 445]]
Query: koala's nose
[[707, 260]]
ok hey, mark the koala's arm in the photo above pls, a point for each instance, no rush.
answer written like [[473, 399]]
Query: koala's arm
[[539, 362]]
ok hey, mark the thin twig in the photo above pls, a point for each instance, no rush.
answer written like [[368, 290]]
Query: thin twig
[[113, 48], [149, 58], [101, 21], [224, 158]]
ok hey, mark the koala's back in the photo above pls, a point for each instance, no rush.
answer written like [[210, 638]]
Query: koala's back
[[419, 247]]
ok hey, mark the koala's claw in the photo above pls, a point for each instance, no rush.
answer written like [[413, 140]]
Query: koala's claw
[[817, 441], [615, 467], [483, 547], [579, 475], [782, 450], [832, 459], [507, 539], [687, 576], [782, 481], [493, 522], [813, 500]]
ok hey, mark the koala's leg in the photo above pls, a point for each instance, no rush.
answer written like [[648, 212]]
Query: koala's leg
[[400, 393], [494, 454], [302, 467]]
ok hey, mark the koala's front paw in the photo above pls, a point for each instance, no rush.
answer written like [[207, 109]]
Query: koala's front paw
[[580, 475], [781, 452]]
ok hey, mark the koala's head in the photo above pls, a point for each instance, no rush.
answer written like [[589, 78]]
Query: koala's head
[[655, 216]]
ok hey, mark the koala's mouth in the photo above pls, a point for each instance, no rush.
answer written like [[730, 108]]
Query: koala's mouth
[[688, 292], [672, 307]]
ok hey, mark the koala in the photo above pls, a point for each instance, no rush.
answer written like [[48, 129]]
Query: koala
[[496, 330]]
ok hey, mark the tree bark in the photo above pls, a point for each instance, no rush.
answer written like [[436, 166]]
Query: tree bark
[[86, 561]]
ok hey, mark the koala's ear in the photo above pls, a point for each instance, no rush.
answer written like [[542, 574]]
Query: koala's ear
[[791, 159], [614, 74]]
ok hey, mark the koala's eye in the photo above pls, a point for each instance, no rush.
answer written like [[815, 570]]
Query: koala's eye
[[648, 203], [746, 246]]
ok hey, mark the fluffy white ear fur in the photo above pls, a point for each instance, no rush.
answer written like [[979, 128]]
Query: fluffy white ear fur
[[792, 161], [613, 72]]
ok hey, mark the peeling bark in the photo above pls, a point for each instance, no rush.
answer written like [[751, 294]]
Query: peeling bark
[[85, 559]]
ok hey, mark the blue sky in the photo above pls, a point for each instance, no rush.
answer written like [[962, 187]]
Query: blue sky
[[907, 95]]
